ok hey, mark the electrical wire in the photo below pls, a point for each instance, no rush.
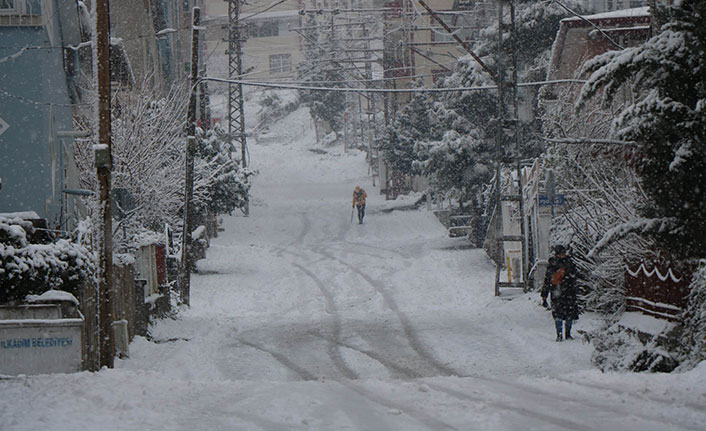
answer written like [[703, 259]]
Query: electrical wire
[[380, 90]]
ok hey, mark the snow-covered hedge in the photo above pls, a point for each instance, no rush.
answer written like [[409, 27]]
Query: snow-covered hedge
[[27, 268], [694, 318]]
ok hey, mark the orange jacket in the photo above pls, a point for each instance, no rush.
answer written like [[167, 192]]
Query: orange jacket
[[359, 197]]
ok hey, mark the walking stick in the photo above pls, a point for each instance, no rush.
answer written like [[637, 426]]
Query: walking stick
[[352, 211]]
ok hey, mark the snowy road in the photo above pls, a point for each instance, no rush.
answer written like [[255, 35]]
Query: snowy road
[[302, 320]]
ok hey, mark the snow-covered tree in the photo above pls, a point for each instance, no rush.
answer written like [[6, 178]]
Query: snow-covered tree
[[220, 184], [667, 120], [148, 149], [459, 157], [148, 159], [415, 122], [694, 340], [602, 191], [321, 70]]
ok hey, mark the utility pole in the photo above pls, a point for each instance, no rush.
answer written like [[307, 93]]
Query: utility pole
[[236, 113], [186, 255], [507, 136], [103, 161], [508, 152]]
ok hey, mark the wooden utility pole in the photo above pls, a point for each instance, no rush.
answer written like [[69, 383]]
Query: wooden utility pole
[[103, 160], [186, 255]]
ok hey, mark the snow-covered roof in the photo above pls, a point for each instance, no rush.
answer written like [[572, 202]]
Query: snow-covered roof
[[21, 214], [624, 13]]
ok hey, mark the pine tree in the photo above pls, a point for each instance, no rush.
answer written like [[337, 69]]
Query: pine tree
[[326, 106], [460, 157], [668, 122], [415, 122]]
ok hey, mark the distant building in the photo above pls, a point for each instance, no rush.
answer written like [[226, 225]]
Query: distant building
[[38, 70], [271, 48], [579, 39]]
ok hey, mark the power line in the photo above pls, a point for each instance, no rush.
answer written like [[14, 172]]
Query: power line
[[383, 90]]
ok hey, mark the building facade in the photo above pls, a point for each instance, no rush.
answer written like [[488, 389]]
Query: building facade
[[38, 71]]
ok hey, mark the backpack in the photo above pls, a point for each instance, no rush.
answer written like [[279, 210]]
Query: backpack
[[558, 276]]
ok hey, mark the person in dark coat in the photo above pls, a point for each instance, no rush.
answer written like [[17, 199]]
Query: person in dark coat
[[560, 285]]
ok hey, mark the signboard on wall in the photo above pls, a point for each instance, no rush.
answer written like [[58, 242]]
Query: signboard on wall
[[40, 346], [545, 202]]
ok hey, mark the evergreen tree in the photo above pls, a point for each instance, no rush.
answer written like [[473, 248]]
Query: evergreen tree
[[668, 121], [326, 106], [221, 185], [415, 122], [462, 163]]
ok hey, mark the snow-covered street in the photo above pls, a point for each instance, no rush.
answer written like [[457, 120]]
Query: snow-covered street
[[303, 320]]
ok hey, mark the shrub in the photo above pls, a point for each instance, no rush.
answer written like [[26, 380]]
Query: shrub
[[27, 268]]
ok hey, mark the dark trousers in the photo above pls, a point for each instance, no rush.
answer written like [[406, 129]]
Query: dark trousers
[[361, 213], [566, 324]]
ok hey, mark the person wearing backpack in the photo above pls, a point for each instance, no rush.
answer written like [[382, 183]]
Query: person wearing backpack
[[560, 285], [359, 196]]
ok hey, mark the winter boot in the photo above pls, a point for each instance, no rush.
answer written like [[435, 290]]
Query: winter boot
[[568, 336], [558, 338]]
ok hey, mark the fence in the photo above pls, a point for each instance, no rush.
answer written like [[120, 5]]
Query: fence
[[136, 296], [656, 290]]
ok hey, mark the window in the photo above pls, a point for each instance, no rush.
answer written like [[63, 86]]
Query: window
[[461, 25], [7, 6], [280, 63], [263, 29]]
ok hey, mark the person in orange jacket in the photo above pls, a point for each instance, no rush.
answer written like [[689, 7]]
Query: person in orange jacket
[[359, 196]]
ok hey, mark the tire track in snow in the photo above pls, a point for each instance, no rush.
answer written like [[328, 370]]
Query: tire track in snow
[[282, 359], [392, 367], [533, 393], [432, 422], [641, 397], [407, 328], [334, 345], [388, 300], [513, 407]]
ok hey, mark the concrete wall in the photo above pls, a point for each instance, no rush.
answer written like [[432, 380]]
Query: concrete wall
[[131, 21], [35, 103]]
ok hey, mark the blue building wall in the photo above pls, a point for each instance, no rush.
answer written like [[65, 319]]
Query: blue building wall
[[36, 102]]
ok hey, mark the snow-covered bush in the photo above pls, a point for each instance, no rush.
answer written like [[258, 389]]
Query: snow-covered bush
[[453, 135], [619, 348], [694, 319], [220, 184], [27, 268], [666, 120]]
